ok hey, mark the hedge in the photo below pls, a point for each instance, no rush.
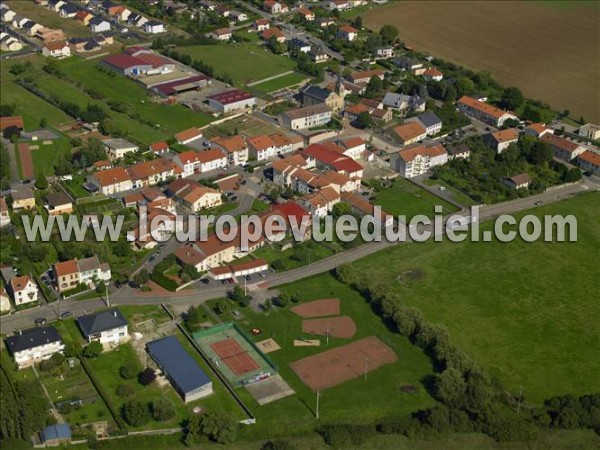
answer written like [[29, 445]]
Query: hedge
[[163, 281]]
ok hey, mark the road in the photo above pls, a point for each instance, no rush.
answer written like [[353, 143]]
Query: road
[[127, 296]]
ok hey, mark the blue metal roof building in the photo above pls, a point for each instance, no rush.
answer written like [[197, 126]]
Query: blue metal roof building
[[186, 376], [56, 433]]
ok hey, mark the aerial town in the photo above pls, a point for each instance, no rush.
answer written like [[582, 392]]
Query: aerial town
[[290, 111]]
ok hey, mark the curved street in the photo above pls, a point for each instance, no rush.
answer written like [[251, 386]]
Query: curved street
[[129, 296]]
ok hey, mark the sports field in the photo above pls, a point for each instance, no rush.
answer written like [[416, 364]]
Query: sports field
[[378, 396], [547, 49], [245, 62], [528, 312]]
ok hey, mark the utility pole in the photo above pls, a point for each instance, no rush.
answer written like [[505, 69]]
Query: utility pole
[[317, 411], [520, 397]]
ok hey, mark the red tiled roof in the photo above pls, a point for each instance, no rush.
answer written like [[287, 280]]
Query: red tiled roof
[[590, 157], [66, 267], [409, 131], [510, 134], [111, 176], [341, 163], [124, 61], [564, 144], [481, 106], [226, 98], [11, 121], [188, 134], [159, 146]]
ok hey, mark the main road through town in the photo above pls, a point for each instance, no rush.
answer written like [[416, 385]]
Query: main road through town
[[128, 296]]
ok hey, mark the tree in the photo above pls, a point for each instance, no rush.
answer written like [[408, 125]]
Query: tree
[[388, 33], [63, 167], [11, 133], [41, 182], [135, 413], [162, 410], [450, 386], [364, 120], [43, 122], [129, 370], [7, 110], [146, 376], [238, 296], [512, 98], [374, 87], [218, 426], [92, 350], [141, 278], [540, 154], [283, 300], [357, 22], [341, 209], [278, 444], [267, 305], [121, 248]]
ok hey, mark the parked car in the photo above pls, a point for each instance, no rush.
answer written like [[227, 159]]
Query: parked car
[[248, 278], [40, 321], [66, 314], [538, 203]]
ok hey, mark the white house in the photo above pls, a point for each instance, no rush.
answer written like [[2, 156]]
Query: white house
[[521, 181], [430, 121], [500, 140], [229, 101], [310, 116], [99, 25], [117, 148], [220, 34], [107, 327], [58, 49], [111, 181], [347, 33], [153, 27], [35, 345], [24, 290], [415, 161]]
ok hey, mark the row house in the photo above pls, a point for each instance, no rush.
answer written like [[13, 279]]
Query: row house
[[235, 147], [484, 112], [321, 202], [89, 271], [589, 162], [152, 172], [110, 181], [329, 159], [563, 148], [193, 161]]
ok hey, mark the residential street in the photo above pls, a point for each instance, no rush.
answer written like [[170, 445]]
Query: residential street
[[127, 296]]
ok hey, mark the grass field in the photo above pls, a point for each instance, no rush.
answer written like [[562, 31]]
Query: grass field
[[106, 368], [292, 79], [46, 156], [244, 124], [353, 400], [528, 312], [171, 119], [547, 49], [406, 198], [245, 62]]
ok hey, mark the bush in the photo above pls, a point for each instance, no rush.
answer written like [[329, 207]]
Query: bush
[[125, 390], [129, 370], [345, 436], [162, 410], [92, 350], [146, 376], [278, 444], [135, 413]]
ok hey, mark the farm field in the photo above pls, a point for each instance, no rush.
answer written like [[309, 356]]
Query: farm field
[[528, 312], [512, 44], [405, 198], [378, 396], [292, 79], [245, 62]]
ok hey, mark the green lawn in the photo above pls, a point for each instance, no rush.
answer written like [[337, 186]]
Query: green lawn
[[245, 62], [106, 368], [48, 18], [31, 107], [406, 198], [354, 400], [244, 124], [528, 312], [46, 156], [313, 253], [292, 79], [457, 195]]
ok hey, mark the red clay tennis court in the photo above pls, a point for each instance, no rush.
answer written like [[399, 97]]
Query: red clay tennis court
[[26, 160], [234, 356]]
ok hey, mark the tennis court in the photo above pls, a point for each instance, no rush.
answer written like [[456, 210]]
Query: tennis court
[[236, 358], [234, 354]]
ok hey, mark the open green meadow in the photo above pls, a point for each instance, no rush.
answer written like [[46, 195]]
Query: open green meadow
[[289, 80], [245, 62], [354, 400], [170, 119], [406, 198], [528, 312]]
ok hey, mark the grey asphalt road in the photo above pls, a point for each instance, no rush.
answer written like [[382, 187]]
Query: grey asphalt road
[[202, 293]]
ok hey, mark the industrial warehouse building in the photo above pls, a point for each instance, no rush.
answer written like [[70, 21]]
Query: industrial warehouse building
[[229, 101], [186, 376]]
